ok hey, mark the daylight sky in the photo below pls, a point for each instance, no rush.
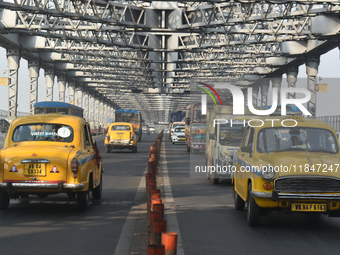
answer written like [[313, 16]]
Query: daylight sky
[[328, 103]]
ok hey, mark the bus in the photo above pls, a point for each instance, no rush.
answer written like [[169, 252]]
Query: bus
[[46, 107], [196, 127], [131, 116], [178, 116]]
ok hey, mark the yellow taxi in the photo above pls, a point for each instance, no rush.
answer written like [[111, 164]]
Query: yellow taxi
[[121, 135], [47, 154], [289, 164]]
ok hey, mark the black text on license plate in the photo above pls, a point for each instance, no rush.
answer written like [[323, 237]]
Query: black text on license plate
[[305, 207], [35, 169]]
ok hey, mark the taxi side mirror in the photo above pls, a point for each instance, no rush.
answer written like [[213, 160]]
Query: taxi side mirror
[[247, 149]]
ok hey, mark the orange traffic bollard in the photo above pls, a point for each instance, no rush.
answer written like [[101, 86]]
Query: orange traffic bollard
[[156, 249], [158, 227], [155, 201], [169, 240], [158, 208]]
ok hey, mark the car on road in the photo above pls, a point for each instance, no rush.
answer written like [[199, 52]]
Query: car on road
[[290, 167], [152, 130], [46, 154], [121, 135], [178, 135]]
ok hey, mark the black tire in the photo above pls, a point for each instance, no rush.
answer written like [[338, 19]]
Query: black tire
[[108, 150], [71, 195], [239, 203], [4, 200], [253, 210], [97, 191], [83, 200]]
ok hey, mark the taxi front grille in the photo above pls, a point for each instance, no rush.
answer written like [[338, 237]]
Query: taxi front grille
[[307, 184], [181, 136]]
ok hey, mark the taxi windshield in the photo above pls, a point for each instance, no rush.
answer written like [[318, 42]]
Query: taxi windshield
[[231, 136], [43, 132], [120, 127], [179, 129], [296, 139]]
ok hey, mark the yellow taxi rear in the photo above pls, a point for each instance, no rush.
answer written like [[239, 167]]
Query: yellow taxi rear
[[48, 154], [121, 135], [295, 169]]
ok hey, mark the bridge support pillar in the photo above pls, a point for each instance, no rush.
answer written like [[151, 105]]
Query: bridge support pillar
[[49, 81], [13, 63], [86, 100], [264, 85], [33, 69], [96, 117], [71, 92], [61, 87], [92, 111], [292, 74], [79, 96], [276, 83], [312, 66]]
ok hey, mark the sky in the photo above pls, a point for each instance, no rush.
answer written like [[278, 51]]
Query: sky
[[328, 103]]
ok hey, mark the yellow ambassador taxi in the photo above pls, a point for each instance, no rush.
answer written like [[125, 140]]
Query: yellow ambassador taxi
[[46, 154], [121, 135], [282, 167]]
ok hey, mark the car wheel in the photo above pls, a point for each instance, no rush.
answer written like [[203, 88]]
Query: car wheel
[[134, 149], [83, 200], [97, 191], [108, 150], [71, 195], [239, 203], [215, 180], [4, 200], [253, 210]]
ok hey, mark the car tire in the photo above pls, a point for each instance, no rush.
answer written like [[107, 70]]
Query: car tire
[[83, 200], [108, 150], [134, 149], [215, 180], [4, 200], [239, 203], [71, 195], [253, 210], [97, 191]]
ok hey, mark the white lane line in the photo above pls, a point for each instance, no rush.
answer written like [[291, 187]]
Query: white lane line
[[170, 207], [127, 232]]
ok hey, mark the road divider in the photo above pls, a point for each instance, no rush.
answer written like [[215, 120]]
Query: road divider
[[155, 207]]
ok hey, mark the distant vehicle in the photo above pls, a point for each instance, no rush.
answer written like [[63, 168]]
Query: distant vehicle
[[121, 135], [178, 136], [131, 116], [49, 154], [145, 129], [178, 116], [196, 127], [46, 107], [152, 130], [172, 127]]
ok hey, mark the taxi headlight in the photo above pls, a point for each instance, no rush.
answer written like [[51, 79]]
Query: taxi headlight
[[268, 173]]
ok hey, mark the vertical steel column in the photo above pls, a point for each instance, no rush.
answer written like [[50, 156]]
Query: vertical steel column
[[276, 83], [292, 74], [71, 92], [33, 69], [92, 111], [312, 66], [264, 85], [13, 62], [255, 95], [86, 100], [101, 113], [79, 96], [96, 117], [49, 81], [61, 87]]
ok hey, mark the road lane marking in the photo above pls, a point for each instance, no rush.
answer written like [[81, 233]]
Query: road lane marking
[[124, 241], [170, 207]]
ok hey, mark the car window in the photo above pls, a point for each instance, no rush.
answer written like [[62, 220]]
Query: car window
[[121, 127], [179, 129], [43, 132], [87, 136]]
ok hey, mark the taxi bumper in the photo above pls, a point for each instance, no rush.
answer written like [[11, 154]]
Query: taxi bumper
[[312, 196], [37, 186]]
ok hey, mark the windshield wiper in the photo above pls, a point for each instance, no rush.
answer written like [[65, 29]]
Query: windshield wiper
[[291, 149], [324, 151]]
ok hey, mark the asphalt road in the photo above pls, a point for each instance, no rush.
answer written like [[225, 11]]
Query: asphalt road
[[209, 224], [54, 225]]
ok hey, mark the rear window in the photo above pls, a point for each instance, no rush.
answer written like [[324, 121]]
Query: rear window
[[121, 127], [43, 132]]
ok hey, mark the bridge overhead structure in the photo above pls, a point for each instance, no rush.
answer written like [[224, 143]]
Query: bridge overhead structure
[[146, 55]]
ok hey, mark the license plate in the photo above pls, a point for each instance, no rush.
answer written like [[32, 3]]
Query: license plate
[[35, 169], [304, 207], [181, 139]]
